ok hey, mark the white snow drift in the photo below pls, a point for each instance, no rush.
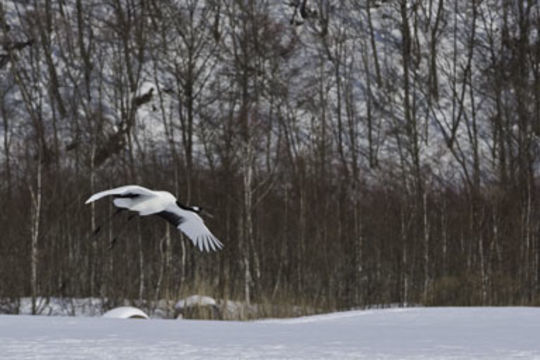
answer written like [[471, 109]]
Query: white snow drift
[[415, 333]]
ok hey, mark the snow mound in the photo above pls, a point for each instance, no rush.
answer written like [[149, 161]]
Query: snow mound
[[195, 300], [125, 312], [198, 307]]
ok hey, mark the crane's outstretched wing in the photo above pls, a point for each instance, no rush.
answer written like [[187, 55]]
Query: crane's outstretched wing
[[128, 191], [192, 226]]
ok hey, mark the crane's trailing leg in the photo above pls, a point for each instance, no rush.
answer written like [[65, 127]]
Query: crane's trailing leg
[[122, 230], [98, 228]]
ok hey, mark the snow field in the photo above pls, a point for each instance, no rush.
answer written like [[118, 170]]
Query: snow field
[[414, 333]]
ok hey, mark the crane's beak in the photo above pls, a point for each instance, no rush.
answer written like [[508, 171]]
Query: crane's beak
[[207, 214]]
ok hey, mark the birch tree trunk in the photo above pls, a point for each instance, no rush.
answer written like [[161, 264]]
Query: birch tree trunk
[[34, 233], [426, 247], [247, 222]]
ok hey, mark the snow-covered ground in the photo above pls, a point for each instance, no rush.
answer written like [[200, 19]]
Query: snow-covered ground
[[414, 333]]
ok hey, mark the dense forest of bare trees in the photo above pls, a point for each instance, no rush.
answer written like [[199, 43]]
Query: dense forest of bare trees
[[352, 152]]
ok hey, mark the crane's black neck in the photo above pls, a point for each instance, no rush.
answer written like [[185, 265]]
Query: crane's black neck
[[188, 208]]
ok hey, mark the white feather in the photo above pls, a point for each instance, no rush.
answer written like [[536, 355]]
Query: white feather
[[128, 189], [124, 203], [195, 229]]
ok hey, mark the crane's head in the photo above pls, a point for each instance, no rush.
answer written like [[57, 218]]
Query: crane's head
[[195, 209]]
